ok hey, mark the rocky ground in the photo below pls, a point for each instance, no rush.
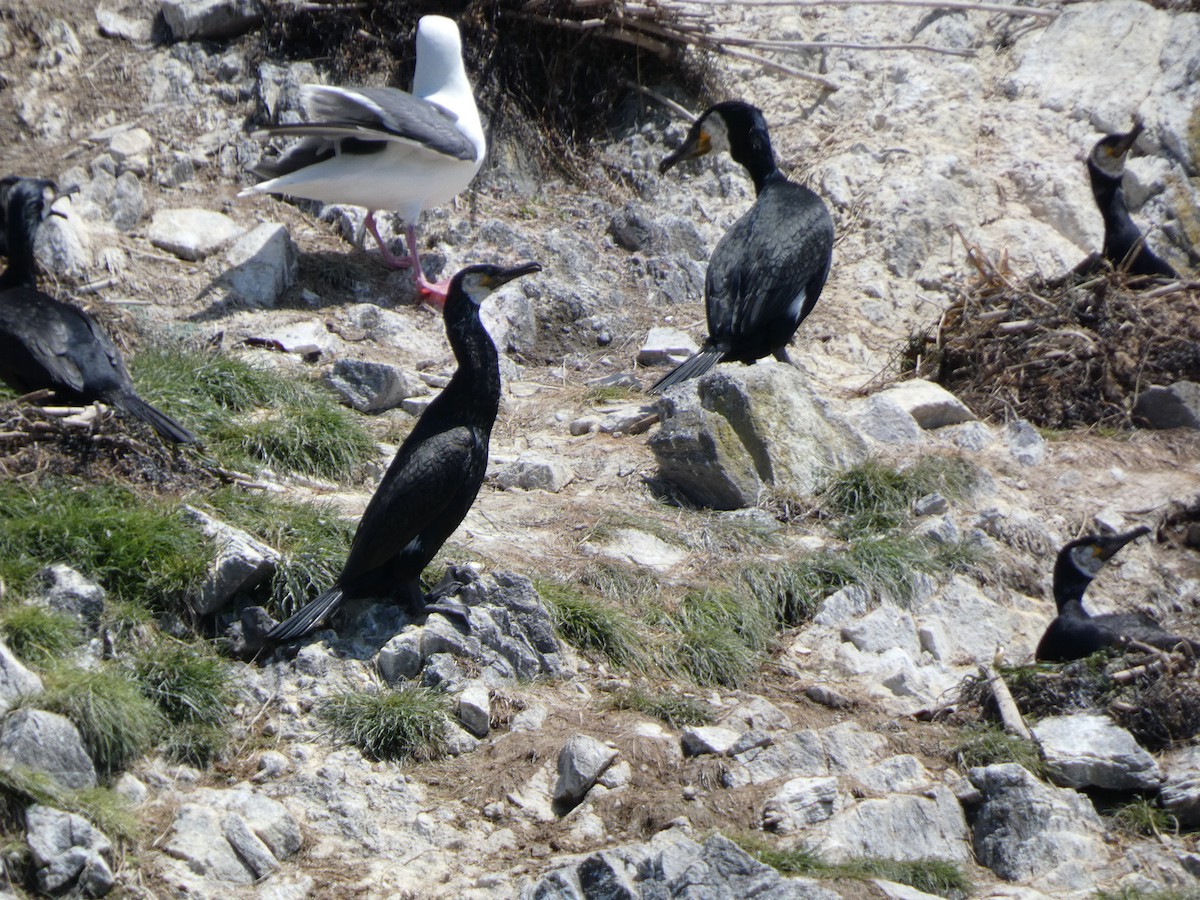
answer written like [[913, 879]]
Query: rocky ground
[[551, 792]]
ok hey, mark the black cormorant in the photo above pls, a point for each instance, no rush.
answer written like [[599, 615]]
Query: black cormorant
[[48, 344], [436, 474], [766, 273], [1074, 633], [1124, 245]]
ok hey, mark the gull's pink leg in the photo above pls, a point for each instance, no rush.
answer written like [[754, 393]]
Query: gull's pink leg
[[390, 259], [432, 293]]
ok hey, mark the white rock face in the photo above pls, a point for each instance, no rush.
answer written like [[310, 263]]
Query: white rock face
[[799, 803], [191, 234], [1093, 751]]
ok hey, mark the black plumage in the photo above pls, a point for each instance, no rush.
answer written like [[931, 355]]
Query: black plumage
[[1124, 245], [767, 271], [435, 475], [48, 344], [1074, 633]]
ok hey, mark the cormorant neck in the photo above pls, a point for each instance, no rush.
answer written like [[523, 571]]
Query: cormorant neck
[[1109, 195], [477, 379], [21, 270], [1069, 585], [755, 153]]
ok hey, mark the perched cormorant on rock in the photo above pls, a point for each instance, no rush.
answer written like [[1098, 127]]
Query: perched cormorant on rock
[[436, 474], [1124, 246], [1074, 633], [766, 273], [383, 148], [48, 344]]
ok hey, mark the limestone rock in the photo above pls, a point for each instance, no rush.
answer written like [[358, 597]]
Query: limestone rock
[[1093, 751], [210, 19], [724, 437], [68, 852], [929, 404], [704, 740], [581, 762], [64, 590], [263, 264], [48, 743], [839, 750], [475, 709], [900, 826], [801, 802], [15, 679], [191, 234], [666, 347], [1173, 406], [240, 562], [882, 629], [372, 387], [536, 471], [1180, 793]]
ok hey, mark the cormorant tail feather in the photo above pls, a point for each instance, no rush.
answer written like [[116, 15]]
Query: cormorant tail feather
[[166, 427], [689, 368], [307, 619]]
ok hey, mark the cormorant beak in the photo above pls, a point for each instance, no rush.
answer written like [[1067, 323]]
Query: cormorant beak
[[507, 275], [697, 143], [1125, 144], [1106, 547], [58, 195]]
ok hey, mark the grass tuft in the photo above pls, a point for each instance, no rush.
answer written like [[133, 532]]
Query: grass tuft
[[117, 722], [188, 682], [592, 624], [674, 710], [718, 640], [408, 723], [1141, 817], [987, 744], [106, 809], [38, 636]]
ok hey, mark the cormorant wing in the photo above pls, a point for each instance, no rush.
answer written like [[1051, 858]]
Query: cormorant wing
[[771, 265], [421, 483], [63, 340]]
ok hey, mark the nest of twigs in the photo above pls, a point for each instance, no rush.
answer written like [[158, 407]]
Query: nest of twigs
[[90, 442], [1064, 354], [1152, 694]]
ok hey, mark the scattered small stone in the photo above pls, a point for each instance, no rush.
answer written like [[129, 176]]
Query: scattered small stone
[[580, 763], [707, 740], [666, 347], [536, 471], [1024, 443], [190, 20], [475, 708], [191, 234], [827, 696], [263, 264], [372, 387], [931, 405]]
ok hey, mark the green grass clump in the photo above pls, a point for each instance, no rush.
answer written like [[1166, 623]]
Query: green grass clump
[[117, 722], [986, 744], [592, 624], [673, 709], [250, 416], [38, 635], [312, 538], [103, 807], [1133, 893], [1141, 817], [933, 876], [718, 638], [407, 723], [191, 686], [139, 549]]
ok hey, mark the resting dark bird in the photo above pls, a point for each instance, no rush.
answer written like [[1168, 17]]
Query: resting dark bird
[[1074, 634], [436, 474], [766, 273], [383, 148], [48, 344], [1124, 246]]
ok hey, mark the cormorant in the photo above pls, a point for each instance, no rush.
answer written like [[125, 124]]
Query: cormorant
[[1106, 166], [383, 148], [48, 344], [766, 273], [1074, 633], [436, 474]]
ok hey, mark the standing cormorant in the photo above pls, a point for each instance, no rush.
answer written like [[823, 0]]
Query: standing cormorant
[[766, 273], [1074, 633], [436, 474], [48, 344], [383, 148], [1124, 246]]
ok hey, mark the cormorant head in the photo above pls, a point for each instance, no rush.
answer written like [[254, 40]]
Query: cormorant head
[[477, 282], [1081, 560], [734, 126], [1108, 156]]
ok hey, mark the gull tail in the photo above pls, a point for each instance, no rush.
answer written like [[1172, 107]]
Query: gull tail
[[307, 619], [689, 368]]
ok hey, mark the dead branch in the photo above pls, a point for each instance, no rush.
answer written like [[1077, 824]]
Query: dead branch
[[1010, 715]]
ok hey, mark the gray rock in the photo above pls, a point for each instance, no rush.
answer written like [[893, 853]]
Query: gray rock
[[510, 321], [64, 590], [128, 202], [900, 827], [1180, 795], [263, 264], [666, 347], [801, 802], [672, 865], [63, 245], [475, 708], [839, 750], [841, 606], [536, 471], [896, 774], [703, 740], [68, 852], [581, 762], [1093, 751], [881, 418], [131, 148], [131, 789], [930, 405], [1024, 443], [115, 23], [941, 530], [756, 714], [249, 847], [372, 387], [191, 234], [827, 696], [232, 836], [199, 840], [15, 679], [240, 562], [1173, 406], [721, 444], [48, 743], [1025, 830], [931, 505], [210, 19], [882, 629]]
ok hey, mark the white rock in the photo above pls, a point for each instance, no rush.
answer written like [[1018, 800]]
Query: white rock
[[666, 346], [191, 234], [707, 739], [580, 763], [931, 405], [801, 802]]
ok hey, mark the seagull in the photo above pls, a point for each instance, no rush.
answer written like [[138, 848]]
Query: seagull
[[383, 148]]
